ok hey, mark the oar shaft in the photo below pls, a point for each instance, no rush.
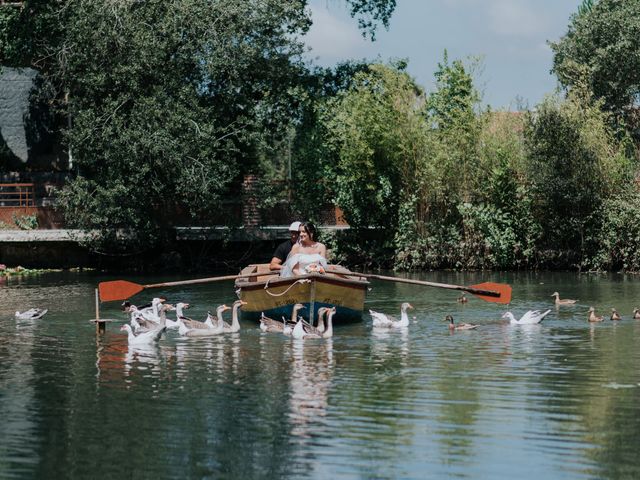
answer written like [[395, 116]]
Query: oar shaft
[[207, 280], [488, 293]]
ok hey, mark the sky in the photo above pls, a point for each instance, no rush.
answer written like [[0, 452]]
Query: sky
[[510, 37]]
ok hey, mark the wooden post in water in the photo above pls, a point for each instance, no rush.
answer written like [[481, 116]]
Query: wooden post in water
[[101, 327], [101, 323]]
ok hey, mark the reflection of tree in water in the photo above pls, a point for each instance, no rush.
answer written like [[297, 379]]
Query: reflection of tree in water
[[593, 383], [373, 390], [231, 402], [459, 404], [17, 375]]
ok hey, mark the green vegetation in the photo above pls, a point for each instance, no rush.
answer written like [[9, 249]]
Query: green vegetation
[[22, 222], [601, 47], [171, 103]]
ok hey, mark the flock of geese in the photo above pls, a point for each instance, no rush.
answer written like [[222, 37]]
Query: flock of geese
[[148, 323]]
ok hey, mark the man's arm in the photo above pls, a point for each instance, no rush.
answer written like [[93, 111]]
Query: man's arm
[[276, 264]]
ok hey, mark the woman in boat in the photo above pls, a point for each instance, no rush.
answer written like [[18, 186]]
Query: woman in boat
[[308, 255]]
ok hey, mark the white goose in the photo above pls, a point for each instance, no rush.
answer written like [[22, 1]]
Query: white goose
[[530, 318], [175, 324], [31, 314], [303, 330], [193, 328], [149, 336], [139, 323], [235, 323], [153, 312], [269, 325], [383, 320]]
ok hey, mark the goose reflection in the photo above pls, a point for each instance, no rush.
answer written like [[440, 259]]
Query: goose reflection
[[310, 381], [390, 344], [143, 358]]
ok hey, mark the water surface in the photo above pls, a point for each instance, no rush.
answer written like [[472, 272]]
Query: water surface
[[558, 400]]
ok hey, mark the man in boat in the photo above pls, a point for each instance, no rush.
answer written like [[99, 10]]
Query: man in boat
[[282, 251]]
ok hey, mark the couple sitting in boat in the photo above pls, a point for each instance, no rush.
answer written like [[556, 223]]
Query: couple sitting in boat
[[301, 254]]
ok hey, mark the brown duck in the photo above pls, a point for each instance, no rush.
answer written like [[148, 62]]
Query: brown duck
[[593, 317]]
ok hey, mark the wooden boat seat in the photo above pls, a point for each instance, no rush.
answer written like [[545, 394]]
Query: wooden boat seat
[[263, 268]]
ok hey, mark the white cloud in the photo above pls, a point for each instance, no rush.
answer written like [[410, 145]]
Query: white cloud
[[332, 38]]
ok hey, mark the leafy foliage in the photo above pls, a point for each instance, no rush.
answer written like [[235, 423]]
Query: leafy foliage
[[617, 238], [377, 133], [575, 163], [171, 102], [603, 46]]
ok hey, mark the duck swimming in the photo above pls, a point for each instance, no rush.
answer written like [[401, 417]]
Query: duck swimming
[[593, 317], [565, 301], [459, 326], [31, 314], [615, 315]]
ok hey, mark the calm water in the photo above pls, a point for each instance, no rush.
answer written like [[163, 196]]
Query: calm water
[[559, 400]]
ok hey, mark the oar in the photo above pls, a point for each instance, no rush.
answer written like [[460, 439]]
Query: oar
[[488, 291], [122, 289]]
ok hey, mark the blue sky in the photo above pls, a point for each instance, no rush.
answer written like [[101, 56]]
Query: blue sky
[[509, 35]]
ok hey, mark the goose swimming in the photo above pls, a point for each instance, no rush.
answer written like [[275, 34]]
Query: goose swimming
[[175, 324], [235, 323], [142, 338], [462, 298], [270, 325], [193, 328], [306, 330], [530, 318], [330, 312], [31, 314], [387, 321], [149, 336]]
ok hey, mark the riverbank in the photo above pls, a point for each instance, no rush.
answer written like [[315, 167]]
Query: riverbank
[[192, 248]]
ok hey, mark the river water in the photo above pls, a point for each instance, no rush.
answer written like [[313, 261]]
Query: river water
[[558, 400]]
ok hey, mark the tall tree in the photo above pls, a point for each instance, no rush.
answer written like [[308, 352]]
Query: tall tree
[[602, 45], [170, 101]]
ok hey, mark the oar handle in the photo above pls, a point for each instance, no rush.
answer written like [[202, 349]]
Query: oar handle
[[208, 280], [488, 293]]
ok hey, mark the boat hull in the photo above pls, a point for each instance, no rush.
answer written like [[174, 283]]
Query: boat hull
[[274, 296]]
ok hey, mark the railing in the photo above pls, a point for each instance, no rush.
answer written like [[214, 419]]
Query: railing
[[14, 195]]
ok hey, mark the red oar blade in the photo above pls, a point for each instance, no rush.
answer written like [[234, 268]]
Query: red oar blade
[[118, 290], [502, 289]]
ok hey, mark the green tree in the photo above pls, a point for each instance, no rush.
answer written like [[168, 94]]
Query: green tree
[[602, 45], [575, 164], [378, 135], [169, 101]]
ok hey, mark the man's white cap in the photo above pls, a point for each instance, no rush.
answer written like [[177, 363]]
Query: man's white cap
[[294, 227]]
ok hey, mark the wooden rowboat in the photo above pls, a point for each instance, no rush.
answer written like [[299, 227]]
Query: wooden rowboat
[[275, 296]]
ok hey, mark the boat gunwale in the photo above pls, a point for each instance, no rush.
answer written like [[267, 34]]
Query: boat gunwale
[[246, 284]]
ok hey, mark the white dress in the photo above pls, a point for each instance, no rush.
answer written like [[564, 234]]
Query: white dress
[[303, 260]]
